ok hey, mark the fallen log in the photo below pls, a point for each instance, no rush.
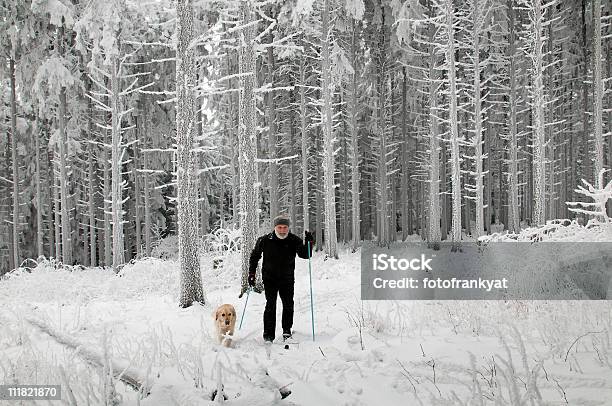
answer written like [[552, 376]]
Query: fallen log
[[121, 370]]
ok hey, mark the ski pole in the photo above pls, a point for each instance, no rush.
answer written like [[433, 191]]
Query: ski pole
[[311, 304], [245, 305]]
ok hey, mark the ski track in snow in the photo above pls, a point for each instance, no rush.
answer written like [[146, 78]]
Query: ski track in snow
[[429, 353]]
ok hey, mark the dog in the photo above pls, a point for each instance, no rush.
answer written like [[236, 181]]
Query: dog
[[225, 322]]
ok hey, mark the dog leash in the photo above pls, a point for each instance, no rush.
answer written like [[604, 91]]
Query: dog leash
[[245, 305]]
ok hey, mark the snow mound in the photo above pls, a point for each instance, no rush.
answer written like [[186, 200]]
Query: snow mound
[[48, 283]]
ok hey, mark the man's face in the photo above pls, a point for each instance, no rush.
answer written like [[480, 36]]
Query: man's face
[[281, 230]]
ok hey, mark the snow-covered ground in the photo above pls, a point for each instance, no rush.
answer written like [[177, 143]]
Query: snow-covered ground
[[364, 353]]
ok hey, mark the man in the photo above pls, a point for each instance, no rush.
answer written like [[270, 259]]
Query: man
[[279, 249]]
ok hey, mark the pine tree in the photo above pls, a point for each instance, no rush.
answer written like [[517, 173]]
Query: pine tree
[[187, 187], [599, 92], [329, 168], [246, 135], [536, 45], [353, 112], [433, 213], [513, 144], [448, 12]]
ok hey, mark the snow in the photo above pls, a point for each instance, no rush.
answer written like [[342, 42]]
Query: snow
[[365, 352], [355, 8], [56, 10], [54, 74]]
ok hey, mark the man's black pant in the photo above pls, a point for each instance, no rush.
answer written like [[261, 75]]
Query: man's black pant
[[272, 289]]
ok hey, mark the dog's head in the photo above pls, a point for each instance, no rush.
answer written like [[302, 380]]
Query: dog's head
[[225, 315]]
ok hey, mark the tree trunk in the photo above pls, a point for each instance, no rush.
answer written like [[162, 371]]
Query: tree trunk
[[405, 194], [433, 214], [203, 205], [390, 83], [319, 199], [586, 171], [355, 174], [381, 133], [549, 130], [137, 202], [249, 219], [92, 205], [513, 201], [272, 131], [63, 143], [609, 120], [327, 88], [304, 141], [454, 134], [529, 195], [445, 204], [477, 142], [345, 188], [539, 158], [13, 142], [235, 171], [39, 128], [56, 211], [116, 166], [91, 178], [107, 202], [598, 92], [292, 170], [187, 187], [50, 201], [146, 120]]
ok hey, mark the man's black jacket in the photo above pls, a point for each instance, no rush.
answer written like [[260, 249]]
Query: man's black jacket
[[278, 256]]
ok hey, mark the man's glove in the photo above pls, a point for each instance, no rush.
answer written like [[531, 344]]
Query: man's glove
[[308, 237], [251, 280]]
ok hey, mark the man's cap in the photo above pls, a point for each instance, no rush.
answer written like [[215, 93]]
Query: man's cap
[[281, 219]]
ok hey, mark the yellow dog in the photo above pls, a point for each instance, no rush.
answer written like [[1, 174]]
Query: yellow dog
[[225, 321]]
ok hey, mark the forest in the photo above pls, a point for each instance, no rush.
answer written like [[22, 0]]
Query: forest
[[126, 122]]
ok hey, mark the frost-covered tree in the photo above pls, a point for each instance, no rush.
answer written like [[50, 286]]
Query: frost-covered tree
[[477, 16], [249, 218], [333, 67], [54, 78], [353, 113], [433, 213], [272, 121], [304, 143], [17, 40], [425, 46], [15, 180], [186, 158], [446, 21], [103, 32], [599, 92], [600, 196], [329, 168], [512, 117], [535, 50]]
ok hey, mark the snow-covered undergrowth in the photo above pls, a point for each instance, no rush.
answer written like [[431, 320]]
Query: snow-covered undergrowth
[[558, 230], [364, 353]]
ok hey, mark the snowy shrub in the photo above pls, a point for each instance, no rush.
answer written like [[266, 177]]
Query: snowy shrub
[[557, 230], [166, 248], [223, 240], [599, 195], [223, 245], [597, 228], [357, 320]]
